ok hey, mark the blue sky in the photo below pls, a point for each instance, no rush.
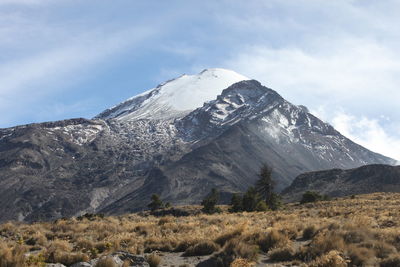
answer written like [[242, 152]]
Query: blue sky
[[74, 58]]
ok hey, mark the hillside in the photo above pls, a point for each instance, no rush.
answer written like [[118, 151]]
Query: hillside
[[362, 231], [338, 182]]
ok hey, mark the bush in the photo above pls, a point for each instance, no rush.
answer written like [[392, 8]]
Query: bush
[[201, 249], [156, 203], [153, 260], [225, 237], [106, 262], [210, 202], [275, 201], [261, 206], [273, 239], [309, 232], [391, 262], [361, 256], [282, 254], [250, 199], [312, 196], [236, 203], [235, 249], [331, 259]]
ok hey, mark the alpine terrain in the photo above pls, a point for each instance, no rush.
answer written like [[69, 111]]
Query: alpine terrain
[[179, 140]]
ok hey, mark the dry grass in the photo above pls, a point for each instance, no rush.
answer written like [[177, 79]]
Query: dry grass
[[153, 260], [360, 231]]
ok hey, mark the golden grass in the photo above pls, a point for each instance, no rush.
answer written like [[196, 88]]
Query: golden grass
[[360, 231]]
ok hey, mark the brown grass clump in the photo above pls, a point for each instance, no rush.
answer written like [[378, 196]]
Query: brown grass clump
[[331, 259], [239, 262], [272, 239], [225, 237], [282, 254], [12, 257], [105, 262], [201, 249], [235, 249], [393, 261], [153, 260], [360, 256], [309, 232]]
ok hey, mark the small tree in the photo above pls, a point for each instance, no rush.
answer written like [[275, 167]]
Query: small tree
[[156, 203], [210, 202], [250, 199], [265, 187], [236, 203], [312, 196]]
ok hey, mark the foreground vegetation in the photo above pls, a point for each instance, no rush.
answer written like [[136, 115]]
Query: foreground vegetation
[[357, 231]]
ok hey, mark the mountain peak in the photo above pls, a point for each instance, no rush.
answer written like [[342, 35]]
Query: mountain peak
[[175, 97]]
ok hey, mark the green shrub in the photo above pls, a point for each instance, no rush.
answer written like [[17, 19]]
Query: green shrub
[[210, 202], [312, 196]]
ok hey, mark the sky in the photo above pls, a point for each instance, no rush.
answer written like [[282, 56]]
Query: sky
[[74, 58]]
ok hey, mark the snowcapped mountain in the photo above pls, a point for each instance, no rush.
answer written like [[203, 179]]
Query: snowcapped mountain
[[174, 98], [178, 140]]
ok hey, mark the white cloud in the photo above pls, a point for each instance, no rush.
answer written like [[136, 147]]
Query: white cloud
[[368, 133], [357, 75]]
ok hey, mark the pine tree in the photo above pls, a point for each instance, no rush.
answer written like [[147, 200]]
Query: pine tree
[[236, 203], [251, 199], [156, 203], [265, 187], [210, 201]]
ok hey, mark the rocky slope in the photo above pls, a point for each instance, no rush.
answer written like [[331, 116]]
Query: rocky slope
[[158, 143], [337, 182]]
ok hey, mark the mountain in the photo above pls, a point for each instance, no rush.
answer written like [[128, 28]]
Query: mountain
[[337, 182], [178, 140]]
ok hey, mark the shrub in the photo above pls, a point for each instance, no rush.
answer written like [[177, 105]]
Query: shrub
[[225, 237], [250, 199], [311, 196], [201, 249], [282, 254], [153, 260], [360, 256], [106, 262], [321, 244], [236, 203], [156, 203], [393, 261], [12, 257], [239, 262], [271, 240], [275, 201], [235, 249], [309, 232], [261, 206], [331, 259], [210, 202]]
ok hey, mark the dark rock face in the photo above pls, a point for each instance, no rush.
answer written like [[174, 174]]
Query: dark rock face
[[337, 182], [70, 167]]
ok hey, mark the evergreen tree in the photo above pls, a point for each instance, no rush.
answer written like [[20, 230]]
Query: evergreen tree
[[210, 202], [250, 199], [265, 187], [156, 203], [236, 203]]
